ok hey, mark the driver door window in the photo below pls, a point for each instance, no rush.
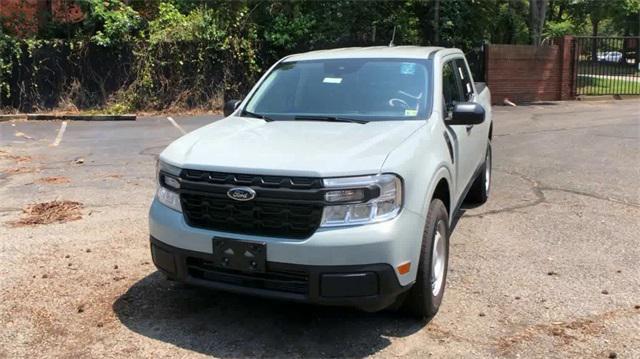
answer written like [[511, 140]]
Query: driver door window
[[451, 87]]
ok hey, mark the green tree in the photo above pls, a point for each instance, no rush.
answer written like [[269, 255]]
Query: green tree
[[109, 22]]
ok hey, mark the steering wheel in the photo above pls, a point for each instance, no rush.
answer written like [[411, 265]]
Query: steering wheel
[[396, 101]]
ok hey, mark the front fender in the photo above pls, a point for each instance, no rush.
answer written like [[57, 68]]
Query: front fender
[[422, 160]]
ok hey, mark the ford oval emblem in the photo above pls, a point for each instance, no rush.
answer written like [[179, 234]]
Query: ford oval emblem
[[241, 193]]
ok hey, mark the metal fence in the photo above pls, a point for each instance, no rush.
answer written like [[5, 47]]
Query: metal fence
[[607, 65]]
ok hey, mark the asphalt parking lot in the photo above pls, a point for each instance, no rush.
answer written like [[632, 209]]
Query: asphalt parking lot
[[549, 267]]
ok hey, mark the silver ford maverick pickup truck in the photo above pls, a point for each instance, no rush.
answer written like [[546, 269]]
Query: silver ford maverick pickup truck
[[335, 181]]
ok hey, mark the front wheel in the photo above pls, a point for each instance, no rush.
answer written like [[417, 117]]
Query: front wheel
[[424, 298]]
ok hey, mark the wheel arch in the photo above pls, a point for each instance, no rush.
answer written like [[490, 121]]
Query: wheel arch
[[441, 188], [443, 193]]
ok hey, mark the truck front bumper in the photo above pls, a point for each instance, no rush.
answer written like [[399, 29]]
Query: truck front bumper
[[370, 287], [352, 266]]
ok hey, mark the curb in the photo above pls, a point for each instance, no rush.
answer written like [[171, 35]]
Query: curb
[[47, 117], [13, 117], [606, 97]]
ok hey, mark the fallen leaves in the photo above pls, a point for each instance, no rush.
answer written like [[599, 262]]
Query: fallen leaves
[[20, 170], [49, 212], [4, 155], [565, 332], [53, 180], [16, 158]]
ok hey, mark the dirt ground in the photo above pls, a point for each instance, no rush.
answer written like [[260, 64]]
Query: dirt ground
[[549, 267]]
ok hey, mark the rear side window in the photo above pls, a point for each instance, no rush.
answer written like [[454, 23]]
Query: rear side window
[[451, 89], [465, 79]]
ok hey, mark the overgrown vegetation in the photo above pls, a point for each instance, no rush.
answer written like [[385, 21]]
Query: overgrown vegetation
[[158, 54]]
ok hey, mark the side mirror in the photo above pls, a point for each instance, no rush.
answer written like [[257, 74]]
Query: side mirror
[[466, 113], [230, 106]]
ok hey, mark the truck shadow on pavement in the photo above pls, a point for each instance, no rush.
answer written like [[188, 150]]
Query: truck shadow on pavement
[[228, 325]]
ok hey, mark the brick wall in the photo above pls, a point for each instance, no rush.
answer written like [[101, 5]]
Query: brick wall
[[24, 17], [524, 73]]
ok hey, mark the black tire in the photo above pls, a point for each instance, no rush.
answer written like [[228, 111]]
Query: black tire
[[420, 301], [479, 191], [169, 278]]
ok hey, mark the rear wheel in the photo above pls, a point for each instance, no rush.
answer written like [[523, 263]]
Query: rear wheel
[[479, 191], [424, 298]]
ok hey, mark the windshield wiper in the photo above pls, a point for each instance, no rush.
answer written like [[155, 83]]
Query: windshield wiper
[[257, 115], [330, 119]]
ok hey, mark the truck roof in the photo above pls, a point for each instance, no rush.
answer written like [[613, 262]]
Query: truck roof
[[407, 52]]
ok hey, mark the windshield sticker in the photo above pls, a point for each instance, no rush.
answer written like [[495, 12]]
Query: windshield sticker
[[332, 80], [410, 112], [408, 68]]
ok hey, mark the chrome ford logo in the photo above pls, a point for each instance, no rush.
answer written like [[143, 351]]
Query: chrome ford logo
[[241, 193]]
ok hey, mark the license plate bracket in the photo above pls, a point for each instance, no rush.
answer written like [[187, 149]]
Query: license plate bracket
[[241, 255]]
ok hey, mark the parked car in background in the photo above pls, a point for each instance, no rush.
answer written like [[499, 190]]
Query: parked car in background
[[335, 181], [611, 56]]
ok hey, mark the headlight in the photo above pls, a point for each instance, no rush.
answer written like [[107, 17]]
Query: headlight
[[384, 206], [169, 198], [167, 184]]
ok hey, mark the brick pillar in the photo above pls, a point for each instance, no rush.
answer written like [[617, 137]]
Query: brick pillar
[[567, 68]]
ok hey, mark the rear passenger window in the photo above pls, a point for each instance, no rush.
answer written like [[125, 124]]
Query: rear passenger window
[[451, 90], [465, 79]]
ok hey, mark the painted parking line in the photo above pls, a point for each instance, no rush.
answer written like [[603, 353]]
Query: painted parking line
[[63, 128], [175, 124]]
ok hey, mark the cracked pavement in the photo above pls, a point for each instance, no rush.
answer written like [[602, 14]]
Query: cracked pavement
[[547, 268]]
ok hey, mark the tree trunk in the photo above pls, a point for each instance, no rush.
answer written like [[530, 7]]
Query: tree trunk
[[425, 21], [537, 16], [436, 22], [511, 35]]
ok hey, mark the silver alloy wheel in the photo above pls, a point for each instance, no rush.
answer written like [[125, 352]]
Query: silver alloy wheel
[[487, 172], [438, 258]]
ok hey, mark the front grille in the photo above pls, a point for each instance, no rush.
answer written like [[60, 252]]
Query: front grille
[[289, 207], [278, 281], [252, 180]]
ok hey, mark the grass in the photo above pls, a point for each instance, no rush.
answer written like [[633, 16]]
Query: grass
[[607, 68], [113, 109], [607, 86]]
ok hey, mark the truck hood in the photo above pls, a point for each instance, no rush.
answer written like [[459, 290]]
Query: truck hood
[[295, 148]]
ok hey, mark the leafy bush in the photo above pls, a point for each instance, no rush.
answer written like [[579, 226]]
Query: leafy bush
[[558, 28], [114, 22]]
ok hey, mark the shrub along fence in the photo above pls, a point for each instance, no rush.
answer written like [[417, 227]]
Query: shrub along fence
[[37, 75], [48, 74], [41, 75]]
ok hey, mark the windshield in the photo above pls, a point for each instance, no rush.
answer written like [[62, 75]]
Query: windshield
[[360, 89]]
